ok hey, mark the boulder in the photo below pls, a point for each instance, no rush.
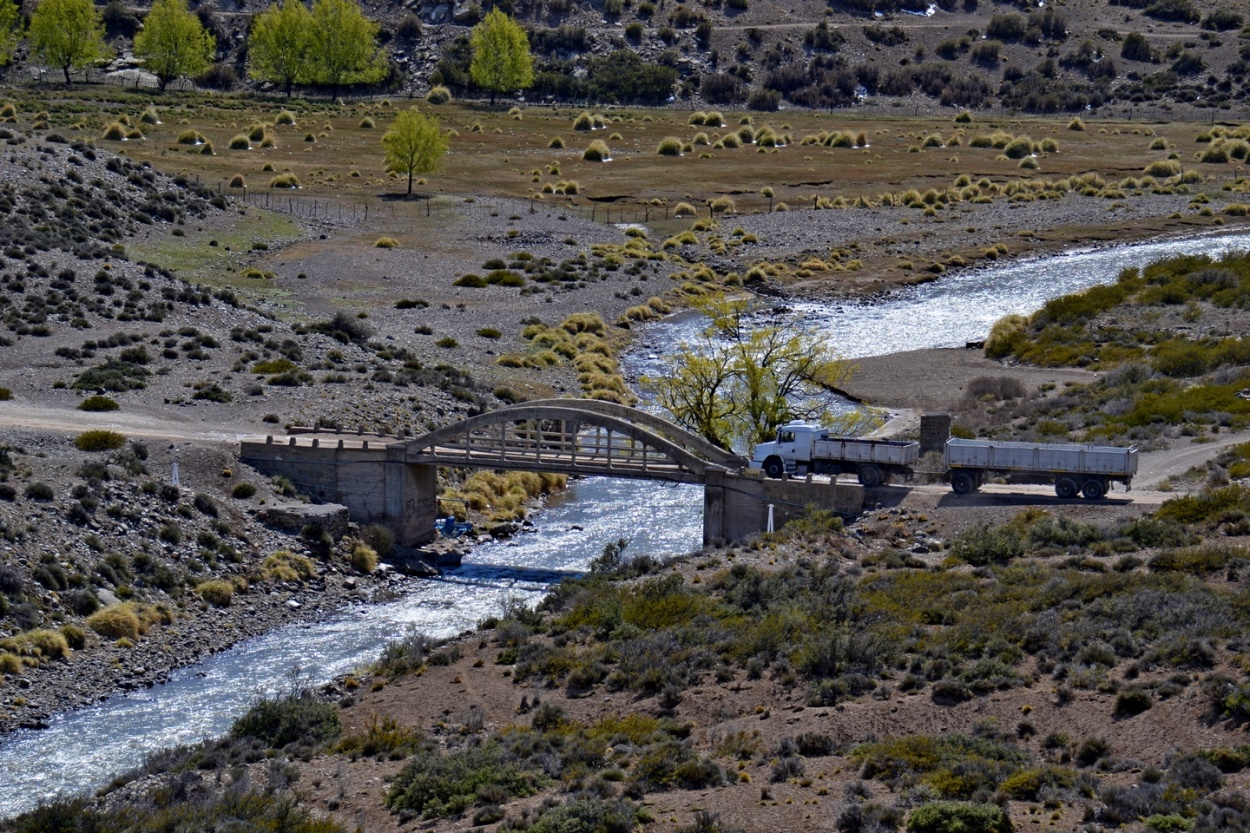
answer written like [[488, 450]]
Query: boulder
[[293, 517]]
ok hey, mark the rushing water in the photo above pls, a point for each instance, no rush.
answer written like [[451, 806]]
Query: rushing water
[[84, 748]]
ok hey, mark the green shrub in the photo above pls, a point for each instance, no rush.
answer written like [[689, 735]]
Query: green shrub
[[438, 94], [286, 566], [385, 243], [116, 622], [439, 784], [989, 544], [291, 718], [240, 142], [470, 280], [669, 146], [380, 538], [597, 151], [99, 440], [364, 558], [98, 403], [959, 817], [284, 180], [5, 395], [217, 593], [243, 491]]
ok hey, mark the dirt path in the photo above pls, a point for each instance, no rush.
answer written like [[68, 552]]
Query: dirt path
[[133, 424], [1156, 466]]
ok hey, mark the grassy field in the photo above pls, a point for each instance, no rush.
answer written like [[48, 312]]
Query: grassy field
[[334, 152]]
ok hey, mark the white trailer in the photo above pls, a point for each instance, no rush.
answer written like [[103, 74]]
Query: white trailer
[[1087, 469], [809, 449]]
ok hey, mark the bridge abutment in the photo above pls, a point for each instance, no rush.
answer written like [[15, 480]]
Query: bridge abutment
[[736, 506]]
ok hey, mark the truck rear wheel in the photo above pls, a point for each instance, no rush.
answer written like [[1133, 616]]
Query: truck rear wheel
[[871, 476], [1094, 489], [963, 483], [1065, 487], [773, 467]]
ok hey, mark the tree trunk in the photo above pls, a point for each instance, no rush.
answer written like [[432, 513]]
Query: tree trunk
[[410, 182], [68, 80]]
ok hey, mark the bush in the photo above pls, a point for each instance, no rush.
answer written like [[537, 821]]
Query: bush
[[217, 593], [380, 538], [597, 151], [286, 180], [989, 544], [39, 491], [291, 718], [438, 784], [5, 395], [438, 94], [669, 146], [243, 491], [98, 403], [286, 566], [99, 440], [959, 817], [364, 558], [240, 142], [116, 622], [385, 243]]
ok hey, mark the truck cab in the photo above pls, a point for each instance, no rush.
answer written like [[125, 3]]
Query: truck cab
[[792, 446]]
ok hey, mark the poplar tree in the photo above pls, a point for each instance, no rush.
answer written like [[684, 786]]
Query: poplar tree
[[501, 55], [739, 381], [67, 34], [413, 145], [277, 46], [342, 45], [174, 43], [10, 30]]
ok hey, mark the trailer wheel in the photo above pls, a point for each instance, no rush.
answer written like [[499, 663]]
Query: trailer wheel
[[1065, 487], [963, 483], [871, 477], [773, 467], [1094, 489]]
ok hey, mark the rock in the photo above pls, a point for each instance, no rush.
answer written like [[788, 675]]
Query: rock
[[293, 604], [293, 517], [350, 582]]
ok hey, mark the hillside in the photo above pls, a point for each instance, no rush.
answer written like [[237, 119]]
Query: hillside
[[1133, 56]]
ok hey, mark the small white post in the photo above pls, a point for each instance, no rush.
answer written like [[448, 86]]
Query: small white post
[[770, 517]]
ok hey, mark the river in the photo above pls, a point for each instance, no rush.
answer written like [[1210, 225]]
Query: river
[[83, 749]]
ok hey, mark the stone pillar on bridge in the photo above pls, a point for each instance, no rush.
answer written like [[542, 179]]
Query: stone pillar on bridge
[[410, 503]]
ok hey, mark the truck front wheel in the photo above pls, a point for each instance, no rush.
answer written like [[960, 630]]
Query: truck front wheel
[[1065, 487], [871, 477], [963, 483], [773, 467]]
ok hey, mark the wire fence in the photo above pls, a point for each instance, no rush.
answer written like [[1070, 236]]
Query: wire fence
[[391, 209]]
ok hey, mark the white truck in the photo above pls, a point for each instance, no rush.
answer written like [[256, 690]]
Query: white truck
[[1087, 469], [809, 449]]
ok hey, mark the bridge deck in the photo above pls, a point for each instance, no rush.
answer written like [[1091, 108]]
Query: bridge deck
[[640, 465]]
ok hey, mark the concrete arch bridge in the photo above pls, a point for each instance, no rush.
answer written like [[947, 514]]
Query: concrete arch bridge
[[392, 480]]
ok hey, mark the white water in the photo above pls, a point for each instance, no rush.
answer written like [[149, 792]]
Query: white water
[[84, 748]]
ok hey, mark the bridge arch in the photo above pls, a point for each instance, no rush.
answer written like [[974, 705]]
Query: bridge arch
[[573, 436]]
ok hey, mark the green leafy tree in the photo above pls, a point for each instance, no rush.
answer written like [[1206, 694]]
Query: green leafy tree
[[501, 55], [278, 45], [414, 145], [737, 383], [342, 45], [174, 43], [10, 30], [67, 34]]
